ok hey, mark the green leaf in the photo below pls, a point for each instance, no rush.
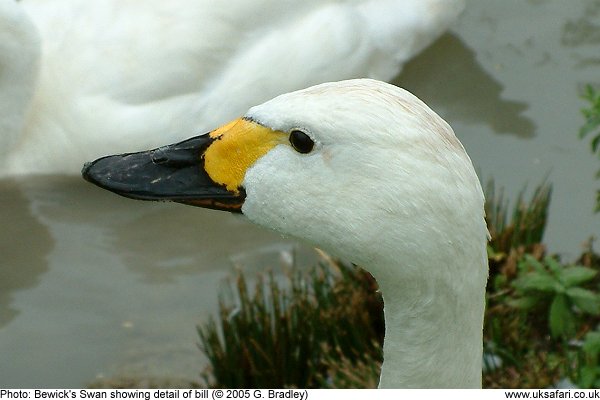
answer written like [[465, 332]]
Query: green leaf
[[530, 261], [542, 282], [575, 275], [596, 140], [562, 322], [585, 299], [589, 93], [524, 303], [587, 376], [553, 265], [591, 344], [592, 122]]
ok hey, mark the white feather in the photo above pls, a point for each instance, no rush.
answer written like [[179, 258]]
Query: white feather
[[116, 75], [389, 187]]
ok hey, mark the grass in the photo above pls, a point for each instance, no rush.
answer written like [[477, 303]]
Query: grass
[[306, 335], [519, 228]]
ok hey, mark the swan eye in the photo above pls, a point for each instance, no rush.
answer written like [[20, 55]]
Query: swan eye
[[301, 142]]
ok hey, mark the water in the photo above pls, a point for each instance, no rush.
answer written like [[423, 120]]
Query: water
[[96, 285]]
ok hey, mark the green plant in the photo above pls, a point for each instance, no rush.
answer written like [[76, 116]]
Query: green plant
[[548, 282], [524, 226], [513, 232], [589, 365], [592, 125], [300, 330]]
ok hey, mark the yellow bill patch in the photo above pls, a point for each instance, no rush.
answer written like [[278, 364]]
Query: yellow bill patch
[[237, 146]]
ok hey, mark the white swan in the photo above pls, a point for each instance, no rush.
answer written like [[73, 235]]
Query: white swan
[[368, 172], [79, 79]]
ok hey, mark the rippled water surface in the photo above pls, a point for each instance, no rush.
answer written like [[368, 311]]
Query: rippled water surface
[[94, 285]]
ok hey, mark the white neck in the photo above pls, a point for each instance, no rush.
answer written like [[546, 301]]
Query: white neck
[[391, 190], [19, 58], [433, 335]]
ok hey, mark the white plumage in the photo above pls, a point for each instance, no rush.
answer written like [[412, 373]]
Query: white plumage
[[388, 187], [79, 79]]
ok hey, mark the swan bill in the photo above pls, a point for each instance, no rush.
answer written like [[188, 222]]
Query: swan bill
[[204, 171], [169, 173]]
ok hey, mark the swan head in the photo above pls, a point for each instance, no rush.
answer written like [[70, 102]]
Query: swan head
[[367, 172], [359, 168]]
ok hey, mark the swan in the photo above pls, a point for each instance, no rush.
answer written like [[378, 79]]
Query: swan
[[366, 171], [79, 79]]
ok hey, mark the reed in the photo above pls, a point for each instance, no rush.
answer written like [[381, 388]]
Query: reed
[[302, 329]]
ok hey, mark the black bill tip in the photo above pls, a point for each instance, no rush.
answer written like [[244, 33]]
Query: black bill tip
[[169, 173]]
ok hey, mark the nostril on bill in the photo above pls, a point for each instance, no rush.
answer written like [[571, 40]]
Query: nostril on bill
[[159, 156]]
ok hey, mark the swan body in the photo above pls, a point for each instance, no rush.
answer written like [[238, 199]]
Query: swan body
[[111, 75], [366, 171]]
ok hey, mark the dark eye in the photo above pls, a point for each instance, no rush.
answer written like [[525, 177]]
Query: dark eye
[[301, 142]]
